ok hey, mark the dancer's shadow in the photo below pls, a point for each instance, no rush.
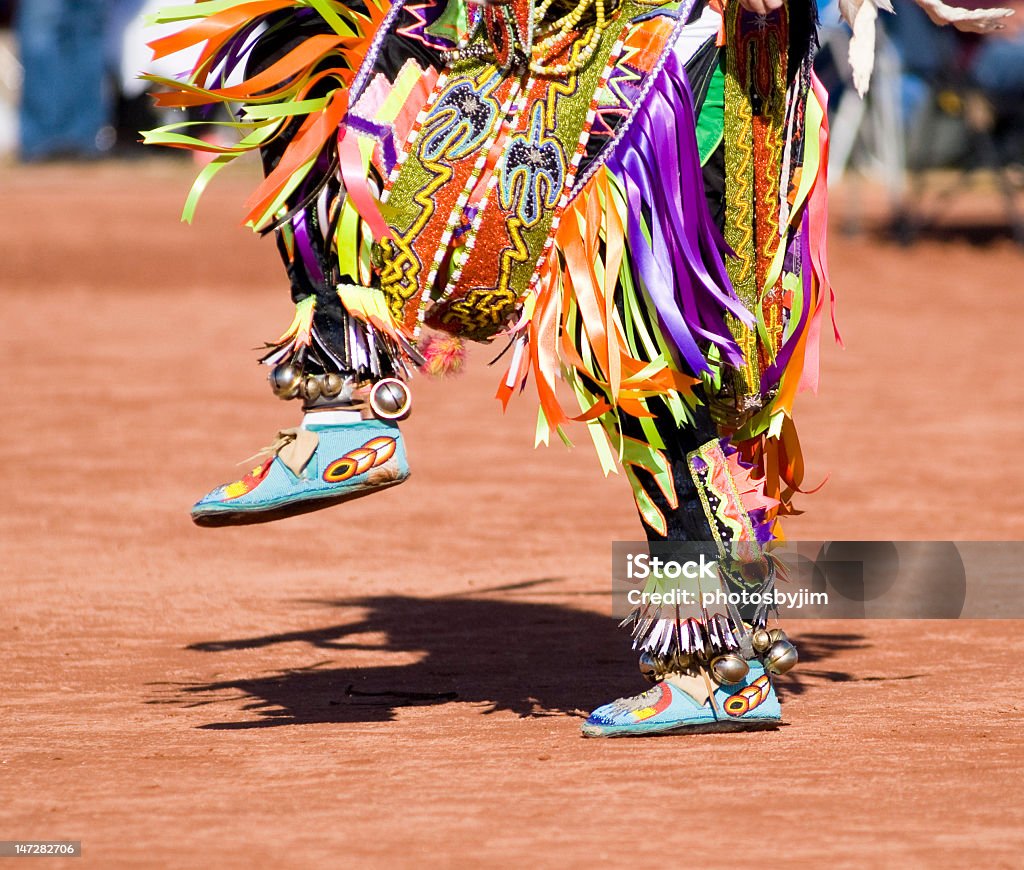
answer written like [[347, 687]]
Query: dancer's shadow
[[525, 656]]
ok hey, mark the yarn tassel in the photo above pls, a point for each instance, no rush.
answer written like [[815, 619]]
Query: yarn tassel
[[443, 355]]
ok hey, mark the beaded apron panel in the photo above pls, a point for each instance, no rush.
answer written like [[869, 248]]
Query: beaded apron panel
[[488, 167], [755, 108]]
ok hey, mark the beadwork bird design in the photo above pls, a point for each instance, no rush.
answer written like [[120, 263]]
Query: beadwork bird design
[[533, 171], [460, 121]]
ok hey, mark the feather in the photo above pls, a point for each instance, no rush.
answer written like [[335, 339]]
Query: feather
[[443, 355]]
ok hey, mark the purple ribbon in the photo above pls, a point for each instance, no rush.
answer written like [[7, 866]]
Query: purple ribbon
[[382, 132], [308, 255], [657, 163]]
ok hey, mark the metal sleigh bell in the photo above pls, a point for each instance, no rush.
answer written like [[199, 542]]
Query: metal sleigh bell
[[331, 384], [729, 669], [311, 388], [285, 380], [761, 640], [390, 399], [649, 669], [781, 657]]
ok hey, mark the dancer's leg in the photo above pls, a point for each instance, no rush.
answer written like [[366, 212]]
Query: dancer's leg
[[344, 371]]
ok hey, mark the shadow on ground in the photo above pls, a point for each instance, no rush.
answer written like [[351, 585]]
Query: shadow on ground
[[529, 657]]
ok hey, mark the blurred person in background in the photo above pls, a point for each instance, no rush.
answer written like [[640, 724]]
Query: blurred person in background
[[10, 81], [65, 106], [998, 63], [935, 55], [126, 56]]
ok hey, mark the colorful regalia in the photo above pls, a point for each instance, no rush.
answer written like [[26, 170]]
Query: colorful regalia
[[628, 196]]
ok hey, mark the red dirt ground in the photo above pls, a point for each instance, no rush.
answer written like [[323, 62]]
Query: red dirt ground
[[182, 697]]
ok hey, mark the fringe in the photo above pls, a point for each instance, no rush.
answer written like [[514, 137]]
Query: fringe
[[275, 97]]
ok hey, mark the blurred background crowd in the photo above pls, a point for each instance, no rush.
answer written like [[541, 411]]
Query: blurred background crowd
[[68, 72], [940, 99]]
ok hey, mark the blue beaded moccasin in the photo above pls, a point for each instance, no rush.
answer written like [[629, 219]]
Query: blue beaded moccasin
[[310, 468], [748, 705]]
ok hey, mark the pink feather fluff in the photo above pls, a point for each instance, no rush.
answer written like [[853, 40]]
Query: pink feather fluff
[[444, 355]]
